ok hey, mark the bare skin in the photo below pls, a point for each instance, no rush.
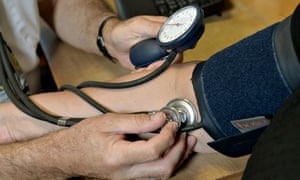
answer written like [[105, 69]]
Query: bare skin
[[77, 23], [98, 147], [173, 83], [27, 142]]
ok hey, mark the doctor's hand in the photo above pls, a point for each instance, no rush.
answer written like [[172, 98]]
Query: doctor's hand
[[99, 147], [120, 36]]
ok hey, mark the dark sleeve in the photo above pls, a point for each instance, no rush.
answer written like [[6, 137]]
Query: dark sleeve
[[277, 153]]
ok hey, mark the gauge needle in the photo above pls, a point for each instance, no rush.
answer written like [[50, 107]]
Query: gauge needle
[[175, 24]]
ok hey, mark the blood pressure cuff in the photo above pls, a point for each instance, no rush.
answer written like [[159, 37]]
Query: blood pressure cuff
[[240, 88], [228, 140]]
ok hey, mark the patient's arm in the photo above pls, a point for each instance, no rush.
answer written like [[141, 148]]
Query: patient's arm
[[175, 82], [17, 126]]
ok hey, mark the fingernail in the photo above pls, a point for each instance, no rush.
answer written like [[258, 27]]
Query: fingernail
[[175, 126], [155, 115]]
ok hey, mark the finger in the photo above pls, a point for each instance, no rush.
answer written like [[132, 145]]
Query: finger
[[179, 58], [174, 158], [191, 142], [150, 67], [132, 123], [143, 151], [155, 65], [160, 19], [165, 166], [152, 24], [177, 154]]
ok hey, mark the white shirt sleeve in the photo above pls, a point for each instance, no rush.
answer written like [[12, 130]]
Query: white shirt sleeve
[[19, 25]]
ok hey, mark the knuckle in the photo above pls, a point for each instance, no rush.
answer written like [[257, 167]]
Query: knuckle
[[111, 163], [154, 153], [135, 21], [169, 136]]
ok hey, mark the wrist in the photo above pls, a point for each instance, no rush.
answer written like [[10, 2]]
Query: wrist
[[21, 161], [104, 37]]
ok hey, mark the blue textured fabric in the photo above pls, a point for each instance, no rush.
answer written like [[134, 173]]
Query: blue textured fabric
[[243, 81]]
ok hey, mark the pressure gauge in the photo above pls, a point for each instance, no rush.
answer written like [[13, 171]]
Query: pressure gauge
[[180, 32], [182, 26]]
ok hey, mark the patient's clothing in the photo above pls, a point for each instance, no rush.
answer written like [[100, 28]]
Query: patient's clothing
[[277, 153]]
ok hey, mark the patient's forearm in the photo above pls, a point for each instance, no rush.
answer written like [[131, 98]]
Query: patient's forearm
[[153, 95], [17, 126], [175, 82]]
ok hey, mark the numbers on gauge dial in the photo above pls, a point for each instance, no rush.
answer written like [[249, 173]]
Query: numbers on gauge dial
[[177, 25]]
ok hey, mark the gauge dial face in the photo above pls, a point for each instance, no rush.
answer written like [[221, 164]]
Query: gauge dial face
[[177, 24]]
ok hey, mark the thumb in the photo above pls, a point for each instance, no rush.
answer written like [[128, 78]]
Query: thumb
[[152, 24]]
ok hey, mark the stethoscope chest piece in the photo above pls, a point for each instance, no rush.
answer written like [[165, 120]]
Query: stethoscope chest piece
[[183, 112]]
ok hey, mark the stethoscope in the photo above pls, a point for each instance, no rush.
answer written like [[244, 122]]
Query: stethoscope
[[180, 32]]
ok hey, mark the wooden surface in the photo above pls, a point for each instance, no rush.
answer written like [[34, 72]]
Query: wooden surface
[[240, 19]]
